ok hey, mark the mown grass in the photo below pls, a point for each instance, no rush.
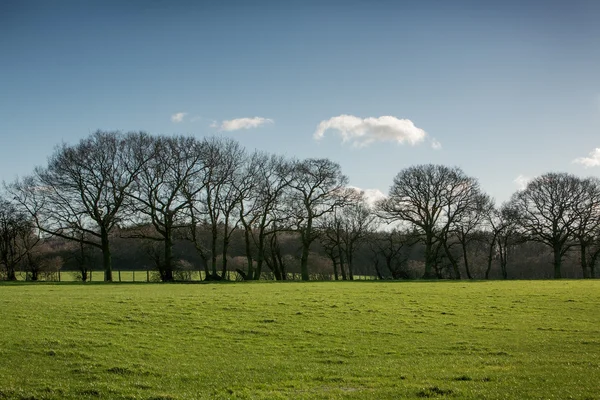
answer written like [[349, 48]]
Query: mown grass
[[364, 340]]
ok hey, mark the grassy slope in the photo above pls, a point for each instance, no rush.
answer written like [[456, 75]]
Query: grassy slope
[[493, 340]]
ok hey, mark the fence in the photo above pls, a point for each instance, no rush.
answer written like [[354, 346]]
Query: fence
[[153, 276]]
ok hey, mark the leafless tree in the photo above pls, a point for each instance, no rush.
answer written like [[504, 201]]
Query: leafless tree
[[318, 188], [467, 228], [83, 189], [158, 193], [587, 225], [213, 198], [267, 177], [501, 235], [394, 248], [547, 212], [331, 228], [17, 238], [432, 198], [344, 229]]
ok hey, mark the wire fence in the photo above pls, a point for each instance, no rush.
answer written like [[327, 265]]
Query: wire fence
[[153, 276]]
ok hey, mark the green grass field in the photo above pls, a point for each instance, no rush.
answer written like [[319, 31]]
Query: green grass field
[[364, 340]]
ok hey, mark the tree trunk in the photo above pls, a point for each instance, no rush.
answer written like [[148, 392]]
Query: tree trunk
[[466, 260], [224, 254], [350, 272], [350, 266], [213, 249], [503, 247], [304, 259], [10, 274], [249, 260], [260, 256], [453, 262], [306, 242], [429, 257], [557, 262], [106, 256], [376, 264], [583, 254], [490, 258], [167, 273], [342, 267], [335, 268], [281, 263]]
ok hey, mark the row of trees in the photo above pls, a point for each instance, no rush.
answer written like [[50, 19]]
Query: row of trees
[[204, 191]]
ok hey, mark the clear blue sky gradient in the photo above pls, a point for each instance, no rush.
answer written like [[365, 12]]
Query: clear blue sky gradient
[[508, 87]]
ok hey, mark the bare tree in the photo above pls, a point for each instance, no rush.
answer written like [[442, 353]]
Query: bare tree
[[432, 198], [344, 229], [394, 247], [17, 238], [501, 235], [83, 189], [213, 198], [467, 228], [547, 212], [158, 193], [267, 177], [331, 239], [317, 189], [587, 225]]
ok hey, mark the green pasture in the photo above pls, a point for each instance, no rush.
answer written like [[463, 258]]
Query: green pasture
[[355, 340]]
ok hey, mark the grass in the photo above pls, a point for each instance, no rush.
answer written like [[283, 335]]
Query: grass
[[363, 340]]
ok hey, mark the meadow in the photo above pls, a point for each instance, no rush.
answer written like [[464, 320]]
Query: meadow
[[269, 340]]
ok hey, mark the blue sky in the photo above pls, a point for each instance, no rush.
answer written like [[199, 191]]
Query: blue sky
[[507, 88]]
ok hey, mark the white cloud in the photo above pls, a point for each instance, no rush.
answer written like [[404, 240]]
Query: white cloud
[[178, 117], [521, 181], [242, 123], [435, 144], [364, 131], [371, 195], [593, 159]]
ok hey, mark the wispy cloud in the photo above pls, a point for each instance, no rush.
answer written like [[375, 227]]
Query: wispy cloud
[[592, 160], [178, 117], [241, 123], [364, 131], [521, 181], [435, 144]]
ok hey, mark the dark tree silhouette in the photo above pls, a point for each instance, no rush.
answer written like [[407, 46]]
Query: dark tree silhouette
[[546, 212]]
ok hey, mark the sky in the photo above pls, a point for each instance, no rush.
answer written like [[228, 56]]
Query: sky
[[506, 90]]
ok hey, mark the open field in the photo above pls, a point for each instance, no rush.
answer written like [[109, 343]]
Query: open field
[[472, 340]]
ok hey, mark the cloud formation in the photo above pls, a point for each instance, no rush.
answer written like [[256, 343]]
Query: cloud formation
[[364, 131], [435, 144], [242, 123], [521, 182], [371, 195], [593, 159], [178, 117]]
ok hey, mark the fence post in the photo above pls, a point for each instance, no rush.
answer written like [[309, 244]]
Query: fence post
[[59, 275], [147, 275], [119, 275]]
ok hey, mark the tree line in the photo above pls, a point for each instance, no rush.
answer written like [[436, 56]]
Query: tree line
[[210, 192]]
